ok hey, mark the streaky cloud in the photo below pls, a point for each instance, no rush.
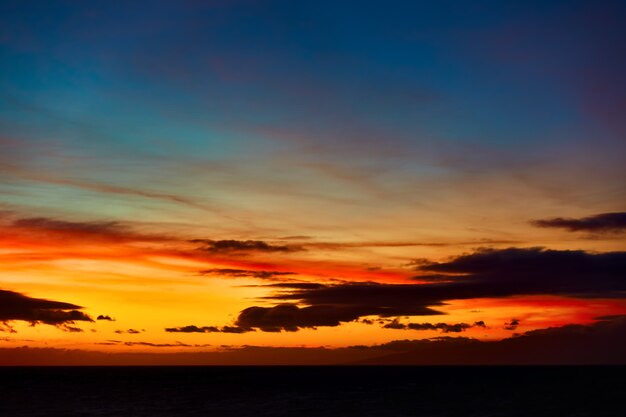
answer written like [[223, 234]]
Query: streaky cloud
[[246, 273], [229, 246], [209, 329], [601, 342], [92, 230], [600, 223]]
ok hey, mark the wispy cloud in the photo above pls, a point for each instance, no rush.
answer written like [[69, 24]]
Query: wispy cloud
[[230, 246], [115, 231], [605, 222], [208, 329], [246, 273]]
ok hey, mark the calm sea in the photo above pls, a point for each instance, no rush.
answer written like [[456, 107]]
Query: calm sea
[[313, 391]]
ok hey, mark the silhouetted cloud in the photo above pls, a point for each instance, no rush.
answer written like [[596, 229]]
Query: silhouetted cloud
[[291, 285], [511, 325], [235, 329], [208, 329], [486, 273], [444, 327], [225, 246], [291, 318], [192, 329], [606, 222], [602, 342], [16, 306], [129, 331], [67, 328], [104, 317], [6, 327], [150, 344], [525, 271], [245, 273]]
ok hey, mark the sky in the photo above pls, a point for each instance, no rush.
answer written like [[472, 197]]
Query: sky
[[222, 182]]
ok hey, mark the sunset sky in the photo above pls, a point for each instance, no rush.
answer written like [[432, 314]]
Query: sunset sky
[[197, 177]]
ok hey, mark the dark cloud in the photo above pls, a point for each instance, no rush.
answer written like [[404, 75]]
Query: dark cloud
[[7, 328], [104, 317], [177, 344], [606, 222], [129, 331], [67, 328], [393, 244], [525, 271], [226, 246], [602, 342], [610, 317], [245, 273], [291, 318], [193, 329], [110, 231], [235, 329], [46, 223], [208, 329], [443, 327], [486, 273], [16, 306], [511, 325], [296, 237], [150, 344], [296, 285]]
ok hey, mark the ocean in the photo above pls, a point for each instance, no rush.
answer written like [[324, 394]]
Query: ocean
[[467, 391]]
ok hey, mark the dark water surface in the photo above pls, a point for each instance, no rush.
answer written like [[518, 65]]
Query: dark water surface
[[313, 391]]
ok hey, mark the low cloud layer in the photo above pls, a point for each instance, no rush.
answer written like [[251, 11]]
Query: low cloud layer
[[486, 273], [208, 329], [229, 246], [129, 331], [605, 222], [16, 306], [443, 327], [245, 273], [151, 344], [602, 342]]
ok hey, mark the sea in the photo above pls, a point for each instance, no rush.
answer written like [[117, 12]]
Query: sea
[[481, 391]]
